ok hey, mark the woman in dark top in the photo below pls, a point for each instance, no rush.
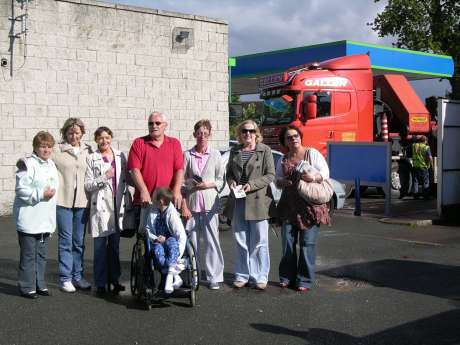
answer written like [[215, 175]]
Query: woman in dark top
[[300, 220]]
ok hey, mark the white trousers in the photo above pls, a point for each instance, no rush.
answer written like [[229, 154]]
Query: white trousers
[[204, 227]]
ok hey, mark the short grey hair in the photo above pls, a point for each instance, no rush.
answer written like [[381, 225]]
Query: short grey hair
[[163, 116]]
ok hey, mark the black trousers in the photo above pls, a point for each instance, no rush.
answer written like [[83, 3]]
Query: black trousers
[[32, 261]]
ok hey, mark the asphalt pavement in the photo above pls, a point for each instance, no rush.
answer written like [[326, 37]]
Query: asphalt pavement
[[406, 211], [377, 283]]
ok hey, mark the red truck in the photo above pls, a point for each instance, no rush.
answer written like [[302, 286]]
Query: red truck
[[341, 100]]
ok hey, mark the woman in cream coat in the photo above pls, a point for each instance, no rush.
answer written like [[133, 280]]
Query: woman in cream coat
[[72, 203], [105, 179]]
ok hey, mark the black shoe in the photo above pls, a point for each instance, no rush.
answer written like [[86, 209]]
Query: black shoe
[[82, 284], [30, 295], [43, 292], [101, 291], [117, 288]]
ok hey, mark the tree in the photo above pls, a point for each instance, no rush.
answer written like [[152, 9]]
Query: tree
[[426, 25], [249, 113]]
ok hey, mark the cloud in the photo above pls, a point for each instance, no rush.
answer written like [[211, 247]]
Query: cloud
[[256, 26], [259, 26]]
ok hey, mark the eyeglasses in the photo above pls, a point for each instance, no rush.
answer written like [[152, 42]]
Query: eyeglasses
[[156, 123], [201, 134], [244, 131], [292, 137]]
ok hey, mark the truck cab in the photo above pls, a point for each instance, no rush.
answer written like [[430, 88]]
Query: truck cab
[[331, 101], [341, 100]]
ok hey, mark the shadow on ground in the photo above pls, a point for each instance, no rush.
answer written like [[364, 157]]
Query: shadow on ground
[[440, 329], [413, 276]]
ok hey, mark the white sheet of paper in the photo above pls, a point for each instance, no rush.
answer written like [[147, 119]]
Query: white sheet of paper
[[238, 192]]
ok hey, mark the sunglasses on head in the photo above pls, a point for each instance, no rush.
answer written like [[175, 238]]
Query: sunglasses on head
[[244, 131], [157, 123]]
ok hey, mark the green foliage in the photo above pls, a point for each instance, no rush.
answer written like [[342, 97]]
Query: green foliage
[[249, 112], [235, 99], [425, 25]]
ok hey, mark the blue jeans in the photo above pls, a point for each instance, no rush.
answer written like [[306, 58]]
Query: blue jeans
[[252, 259], [107, 259], [301, 270], [166, 254], [71, 243], [421, 176]]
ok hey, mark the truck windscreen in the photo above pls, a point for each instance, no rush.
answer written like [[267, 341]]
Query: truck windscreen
[[278, 110]]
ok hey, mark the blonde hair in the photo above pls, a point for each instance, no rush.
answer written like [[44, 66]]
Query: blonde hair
[[259, 137], [69, 123]]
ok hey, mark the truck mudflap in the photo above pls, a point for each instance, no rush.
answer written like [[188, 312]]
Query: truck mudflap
[[339, 193]]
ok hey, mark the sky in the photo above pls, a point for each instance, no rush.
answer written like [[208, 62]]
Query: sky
[[260, 26]]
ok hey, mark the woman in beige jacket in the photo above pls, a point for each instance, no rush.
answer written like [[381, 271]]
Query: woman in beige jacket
[[72, 212]]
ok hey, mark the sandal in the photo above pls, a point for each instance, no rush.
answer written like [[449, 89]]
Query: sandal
[[303, 289]]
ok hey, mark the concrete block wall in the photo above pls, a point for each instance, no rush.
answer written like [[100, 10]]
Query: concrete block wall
[[110, 65]]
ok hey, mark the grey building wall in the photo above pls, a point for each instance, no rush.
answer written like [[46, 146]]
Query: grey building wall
[[109, 65]]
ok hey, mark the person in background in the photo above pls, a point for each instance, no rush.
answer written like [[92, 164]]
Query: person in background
[[105, 180], [300, 220], [34, 211], [156, 160], [72, 205], [250, 169], [422, 160], [203, 178]]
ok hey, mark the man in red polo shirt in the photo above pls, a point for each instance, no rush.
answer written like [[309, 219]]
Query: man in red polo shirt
[[156, 160]]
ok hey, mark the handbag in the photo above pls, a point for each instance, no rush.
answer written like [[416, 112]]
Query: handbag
[[129, 221], [313, 192]]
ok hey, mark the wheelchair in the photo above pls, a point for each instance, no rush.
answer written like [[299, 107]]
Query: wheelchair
[[146, 279]]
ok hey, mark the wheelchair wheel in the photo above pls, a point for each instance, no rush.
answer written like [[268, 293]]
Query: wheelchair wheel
[[137, 269], [192, 274], [192, 297]]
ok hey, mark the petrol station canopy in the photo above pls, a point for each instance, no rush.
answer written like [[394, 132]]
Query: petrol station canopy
[[414, 65]]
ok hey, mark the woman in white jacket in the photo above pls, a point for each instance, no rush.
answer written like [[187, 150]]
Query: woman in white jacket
[[35, 214], [105, 179]]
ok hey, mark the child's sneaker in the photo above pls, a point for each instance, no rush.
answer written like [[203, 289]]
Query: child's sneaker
[[67, 287], [177, 281], [169, 288], [214, 286]]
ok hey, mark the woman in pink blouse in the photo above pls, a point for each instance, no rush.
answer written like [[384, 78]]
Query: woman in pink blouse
[[203, 178]]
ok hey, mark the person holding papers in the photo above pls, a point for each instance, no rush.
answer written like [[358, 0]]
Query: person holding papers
[[250, 171]]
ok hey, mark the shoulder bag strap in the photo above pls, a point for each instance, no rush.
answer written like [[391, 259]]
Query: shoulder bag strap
[[307, 157]]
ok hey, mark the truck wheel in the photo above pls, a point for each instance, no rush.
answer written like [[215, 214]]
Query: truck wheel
[[405, 177], [349, 188], [332, 205], [395, 180]]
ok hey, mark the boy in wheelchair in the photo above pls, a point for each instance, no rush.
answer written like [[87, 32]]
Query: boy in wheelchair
[[165, 230]]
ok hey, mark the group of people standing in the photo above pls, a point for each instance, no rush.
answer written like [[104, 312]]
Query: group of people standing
[[74, 188]]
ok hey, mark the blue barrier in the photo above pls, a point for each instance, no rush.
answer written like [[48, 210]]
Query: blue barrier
[[361, 163]]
